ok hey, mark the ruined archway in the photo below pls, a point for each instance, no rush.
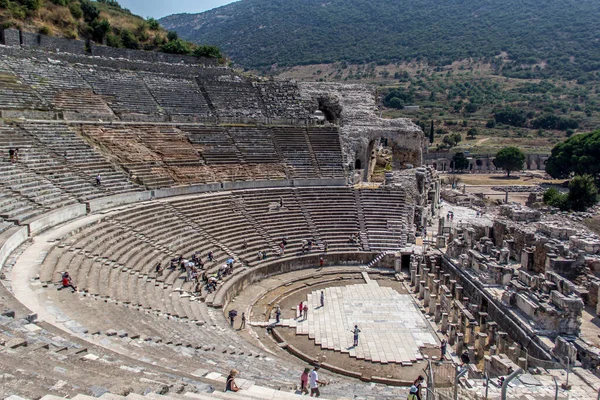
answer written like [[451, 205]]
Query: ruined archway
[[331, 109]]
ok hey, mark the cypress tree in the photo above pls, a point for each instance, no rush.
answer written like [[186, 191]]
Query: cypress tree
[[431, 133]]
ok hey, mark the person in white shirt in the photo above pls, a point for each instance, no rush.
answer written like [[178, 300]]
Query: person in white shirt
[[314, 382]]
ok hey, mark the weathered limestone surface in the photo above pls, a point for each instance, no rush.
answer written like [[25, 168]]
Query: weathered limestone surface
[[356, 107]]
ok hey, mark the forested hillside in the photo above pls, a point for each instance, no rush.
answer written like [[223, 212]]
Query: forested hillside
[[104, 21], [524, 38]]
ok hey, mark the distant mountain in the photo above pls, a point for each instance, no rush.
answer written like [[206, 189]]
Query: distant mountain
[[562, 34]]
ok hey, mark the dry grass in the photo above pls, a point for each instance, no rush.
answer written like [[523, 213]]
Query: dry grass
[[593, 224], [501, 180]]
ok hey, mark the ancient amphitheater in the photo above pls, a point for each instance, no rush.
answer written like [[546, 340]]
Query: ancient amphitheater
[[197, 159]]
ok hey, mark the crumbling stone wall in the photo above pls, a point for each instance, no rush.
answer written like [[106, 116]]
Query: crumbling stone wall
[[360, 126], [11, 37]]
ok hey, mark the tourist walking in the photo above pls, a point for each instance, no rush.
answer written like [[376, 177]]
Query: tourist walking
[[300, 308], [322, 298], [417, 383], [11, 154], [355, 331], [277, 315], [305, 309], [304, 381], [314, 382], [321, 262], [243, 324], [98, 180], [443, 348], [230, 385], [232, 315]]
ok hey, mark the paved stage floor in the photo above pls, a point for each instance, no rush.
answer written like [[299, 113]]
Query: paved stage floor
[[392, 326]]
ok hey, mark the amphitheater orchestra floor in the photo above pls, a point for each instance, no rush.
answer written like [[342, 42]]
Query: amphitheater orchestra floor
[[392, 327]]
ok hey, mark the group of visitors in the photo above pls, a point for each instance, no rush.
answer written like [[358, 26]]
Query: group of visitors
[[310, 379], [307, 245], [302, 310], [195, 270], [450, 216], [13, 153], [354, 238], [282, 244]]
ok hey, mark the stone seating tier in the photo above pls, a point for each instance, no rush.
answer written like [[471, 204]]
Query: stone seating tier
[[115, 257], [14, 94], [177, 96]]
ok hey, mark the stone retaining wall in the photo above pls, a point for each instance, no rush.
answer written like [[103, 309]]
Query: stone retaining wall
[[235, 285], [14, 37], [10, 240], [55, 217], [104, 203]]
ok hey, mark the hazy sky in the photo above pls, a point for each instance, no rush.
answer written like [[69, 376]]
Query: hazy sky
[[162, 8]]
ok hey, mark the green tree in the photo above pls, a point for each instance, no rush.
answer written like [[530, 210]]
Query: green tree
[[580, 154], [76, 11], [510, 159], [90, 12], [459, 161], [172, 36], [153, 24], [177, 46], [582, 192], [431, 132], [129, 40], [207, 51], [99, 29], [510, 116], [554, 198], [472, 133]]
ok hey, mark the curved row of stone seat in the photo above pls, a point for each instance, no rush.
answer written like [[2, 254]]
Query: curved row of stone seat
[[386, 226], [90, 88], [116, 256], [177, 95], [60, 147]]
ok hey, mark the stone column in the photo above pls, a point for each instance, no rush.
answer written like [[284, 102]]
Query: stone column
[[481, 343], [493, 350], [432, 304], [413, 274], [452, 334], [502, 344], [458, 293], [421, 290], [437, 313], [426, 296], [492, 327], [417, 283], [522, 363], [460, 343], [472, 331], [483, 316], [444, 322]]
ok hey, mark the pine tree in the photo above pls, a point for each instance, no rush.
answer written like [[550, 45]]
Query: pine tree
[[431, 133]]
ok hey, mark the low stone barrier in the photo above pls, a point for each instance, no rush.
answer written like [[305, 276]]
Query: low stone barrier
[[10, 240], [185, 190], [236, 284], [55, 217], [104, 203], [319, 182]]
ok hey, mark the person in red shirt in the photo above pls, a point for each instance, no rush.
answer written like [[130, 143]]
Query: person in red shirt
[[304, 381], [67, 282]]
